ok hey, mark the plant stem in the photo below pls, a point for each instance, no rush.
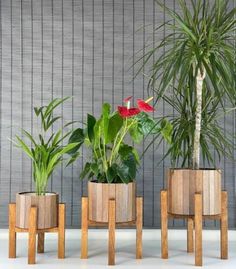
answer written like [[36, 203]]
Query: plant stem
[[198, 118], [119, 138]]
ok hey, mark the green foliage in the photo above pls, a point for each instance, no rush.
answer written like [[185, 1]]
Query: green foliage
[[201, 39], [214, 142], [112, 160], [46, 150]]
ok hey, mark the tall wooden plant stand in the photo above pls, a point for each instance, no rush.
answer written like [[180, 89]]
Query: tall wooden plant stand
[[195, 220], [86, 223], [33, 231]]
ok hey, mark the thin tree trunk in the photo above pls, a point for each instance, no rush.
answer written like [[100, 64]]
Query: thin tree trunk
[[198, 119]]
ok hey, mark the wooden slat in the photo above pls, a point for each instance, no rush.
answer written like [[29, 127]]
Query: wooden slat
[[111, 230], [190, 239], [61, 230], [12, 232], [84, 228], [164, 225], [224, 225], [40, 247], [32, 235], [198, 229], [139, 227]]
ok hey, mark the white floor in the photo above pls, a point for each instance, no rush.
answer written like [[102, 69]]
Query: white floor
[[125, 251]]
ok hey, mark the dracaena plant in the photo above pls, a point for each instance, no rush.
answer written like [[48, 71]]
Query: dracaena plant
[[199, 61], [45, 149], [112, 159]]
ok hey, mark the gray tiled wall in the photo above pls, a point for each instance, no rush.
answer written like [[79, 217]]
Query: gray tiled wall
[[85, 49]]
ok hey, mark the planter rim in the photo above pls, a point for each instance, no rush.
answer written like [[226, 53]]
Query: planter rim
[[200, 169], [48, 193], [95, 182]]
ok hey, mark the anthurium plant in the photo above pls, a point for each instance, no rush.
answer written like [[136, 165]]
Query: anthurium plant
[[45, 149], [112, 158]]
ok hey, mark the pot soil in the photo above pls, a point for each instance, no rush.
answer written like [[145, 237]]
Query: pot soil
[[47, 206], [182, 184], [99, 195]]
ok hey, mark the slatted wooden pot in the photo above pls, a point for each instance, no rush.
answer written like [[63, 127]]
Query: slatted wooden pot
[[184, 183], [98, 198], [47, 206]]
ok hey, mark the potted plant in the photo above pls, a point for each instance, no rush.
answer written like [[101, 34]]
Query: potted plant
[[46, 152], [111, 168], [196, 76]]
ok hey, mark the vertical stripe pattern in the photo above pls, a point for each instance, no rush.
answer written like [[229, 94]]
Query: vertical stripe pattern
[[85, 49]]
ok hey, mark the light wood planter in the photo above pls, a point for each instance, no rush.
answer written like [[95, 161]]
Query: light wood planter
[[117, 206], [195, 221], [182, 184], [47, 209], [33, 230], [99, 195]]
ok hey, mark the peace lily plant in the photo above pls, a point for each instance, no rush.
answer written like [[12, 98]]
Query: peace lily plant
[[112, 159]]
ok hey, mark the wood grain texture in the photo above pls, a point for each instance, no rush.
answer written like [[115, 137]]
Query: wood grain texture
[[99, 195], [61, 230], [32, 235], [164, 225], [84, 229], [65, 49], [40, 245], [47, 206], [139, 227], [184, 183], [12, 232], [224, 226], [190, 239], [111, 231], [198, 228]]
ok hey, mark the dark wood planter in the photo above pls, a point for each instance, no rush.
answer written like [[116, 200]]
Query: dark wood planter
[[98, 198], [182, 184], [47, 206]]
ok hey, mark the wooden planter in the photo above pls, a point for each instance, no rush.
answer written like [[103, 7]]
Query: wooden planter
[[98, 199], [182, 184], [47, 206]]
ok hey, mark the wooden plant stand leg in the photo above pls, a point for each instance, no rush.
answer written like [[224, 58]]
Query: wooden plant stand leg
[[40, 247], [198, 229], [224, 225], [190, 239], [111, 228], [164, 225], [61, 230], [12, 233], [84, 229], [139, 227], [32, 235]]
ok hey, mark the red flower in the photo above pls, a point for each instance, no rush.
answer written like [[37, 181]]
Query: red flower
[[128, 112], [126, 100], [144, 106]]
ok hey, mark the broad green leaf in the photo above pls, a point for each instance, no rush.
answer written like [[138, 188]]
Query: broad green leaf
[[85, 171], [115, 124], [91, 121]]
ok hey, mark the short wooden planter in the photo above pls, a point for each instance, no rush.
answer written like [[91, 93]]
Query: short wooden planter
[[182, 184], [111, 205], [99, 195], [30, 223], [47, 209]]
